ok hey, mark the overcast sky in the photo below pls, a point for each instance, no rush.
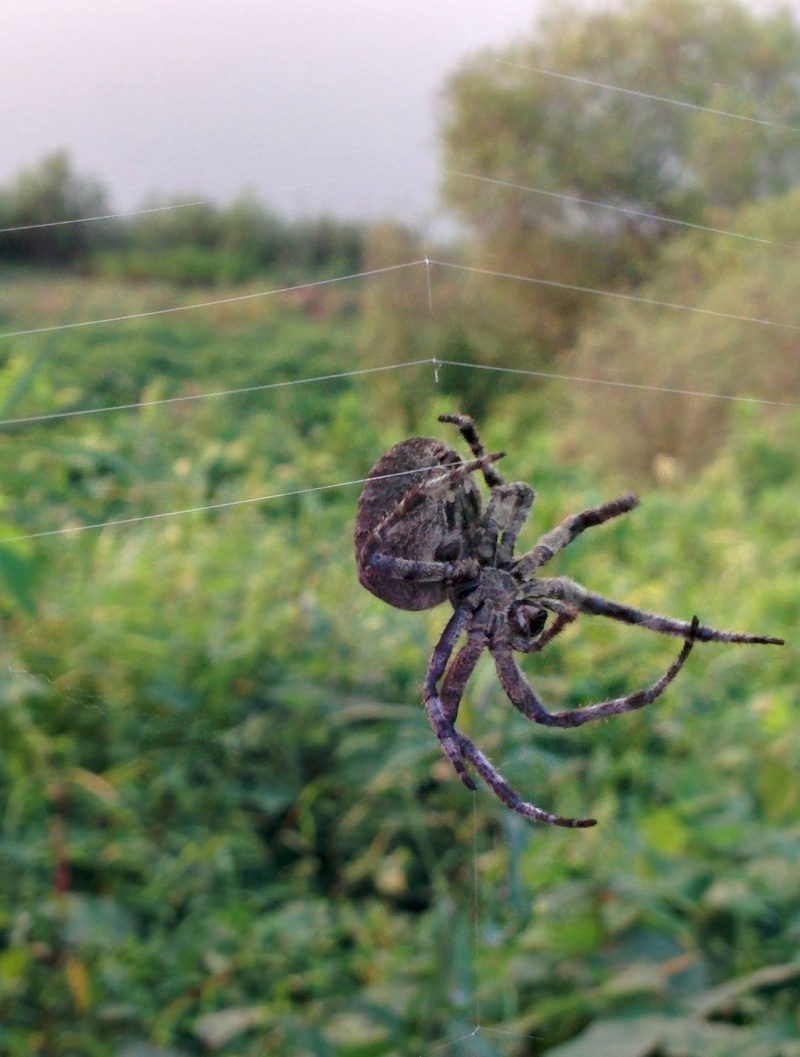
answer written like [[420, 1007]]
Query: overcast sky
[[320, 105]]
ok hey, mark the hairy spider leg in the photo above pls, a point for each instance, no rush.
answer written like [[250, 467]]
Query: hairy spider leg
[[413, 569], [505, 514], [504, 792], [443, 717], [509, 505], [443, 711], [562, 590], [523, 697], [454, 685], [569, 529], [468, 431]]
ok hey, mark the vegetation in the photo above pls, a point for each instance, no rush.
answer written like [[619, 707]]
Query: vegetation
[[562, 178], [187, 243], [722, 348], [227, 828]]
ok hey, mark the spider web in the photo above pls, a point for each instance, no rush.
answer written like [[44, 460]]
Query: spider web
[[480, 1039]]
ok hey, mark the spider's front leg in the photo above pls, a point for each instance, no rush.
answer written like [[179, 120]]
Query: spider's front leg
[[561, 590], [502, 521], [466, 428], [570, 528]]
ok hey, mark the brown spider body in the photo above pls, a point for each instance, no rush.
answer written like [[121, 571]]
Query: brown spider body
[[422, 537]]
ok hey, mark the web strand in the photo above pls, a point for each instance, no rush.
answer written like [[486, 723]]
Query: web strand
[[437, 364], [427, 263], [102, 216], [476, 915], [226, 505], [619, 295], [50, 416], [172, 206], [646, 95], [626, 210], [210, 304], [434, 362], [643, 386]]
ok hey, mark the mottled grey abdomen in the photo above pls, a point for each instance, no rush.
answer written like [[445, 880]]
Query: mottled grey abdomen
[[417, 535]]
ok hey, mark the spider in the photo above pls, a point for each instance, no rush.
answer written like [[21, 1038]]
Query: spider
[[422, 537]]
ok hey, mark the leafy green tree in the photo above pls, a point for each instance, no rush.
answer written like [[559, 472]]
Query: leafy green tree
[[609, 165]]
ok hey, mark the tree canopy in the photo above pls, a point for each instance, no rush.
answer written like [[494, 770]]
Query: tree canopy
[[569, 154]]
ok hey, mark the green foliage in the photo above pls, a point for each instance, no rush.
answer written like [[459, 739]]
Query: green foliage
[[712, 350], [187, 243], [196, 244], [512, 123], [51, 193], [227, 827]]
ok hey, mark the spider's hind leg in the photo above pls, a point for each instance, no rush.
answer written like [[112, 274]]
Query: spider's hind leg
[[503, 791], [443, 711], [522, 696]]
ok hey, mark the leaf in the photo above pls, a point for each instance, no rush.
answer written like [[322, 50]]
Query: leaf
[[18, 573], [644, 1036], [615, 1038], [725, 996], [217, 1029], [689, 1038], [78, 982], [146, 1049], [664, 831]]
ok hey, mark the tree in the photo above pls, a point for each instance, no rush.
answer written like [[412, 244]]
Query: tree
[[47, 195], [669, 359], [609, 166]]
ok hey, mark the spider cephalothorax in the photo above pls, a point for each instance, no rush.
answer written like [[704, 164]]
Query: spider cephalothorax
[[422, 537]]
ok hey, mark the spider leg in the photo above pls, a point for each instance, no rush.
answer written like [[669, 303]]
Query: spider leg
[[503, 791], [467, 429], [570, 528], [422, 571], [453, 687], [523, 697], [442, 477], [560, 589], [443, 710], [442, 717], [505, 514]]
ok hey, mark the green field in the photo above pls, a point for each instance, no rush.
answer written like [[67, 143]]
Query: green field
[[227, 826]]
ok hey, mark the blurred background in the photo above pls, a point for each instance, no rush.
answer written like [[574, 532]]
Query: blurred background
[[242, 252]]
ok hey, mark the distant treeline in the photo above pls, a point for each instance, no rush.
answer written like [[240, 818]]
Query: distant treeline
[[48, 217]]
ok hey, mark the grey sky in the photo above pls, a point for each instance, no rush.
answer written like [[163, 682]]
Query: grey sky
[[321, 105]]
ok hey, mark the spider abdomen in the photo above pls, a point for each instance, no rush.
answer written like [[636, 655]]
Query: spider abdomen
[[429, 531]]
